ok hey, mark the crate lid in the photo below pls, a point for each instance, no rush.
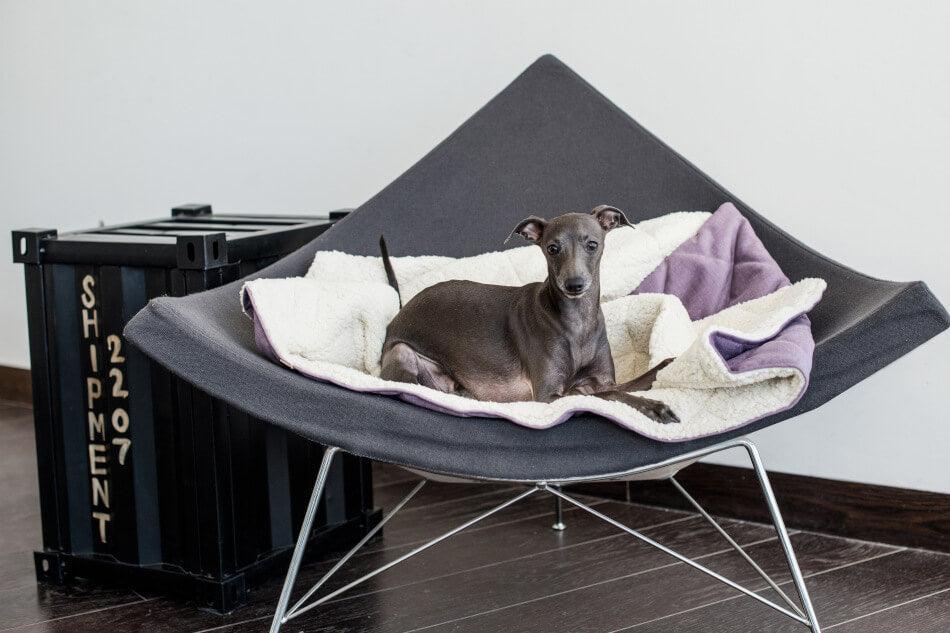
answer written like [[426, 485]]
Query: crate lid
[[192, 238]]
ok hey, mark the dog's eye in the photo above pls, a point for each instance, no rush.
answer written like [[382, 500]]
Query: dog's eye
[[592, 245], [554, 249]]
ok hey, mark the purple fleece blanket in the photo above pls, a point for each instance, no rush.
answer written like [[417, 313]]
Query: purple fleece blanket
[[723, 265]]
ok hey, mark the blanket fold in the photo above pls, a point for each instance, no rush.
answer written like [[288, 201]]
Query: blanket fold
[[697, 287]]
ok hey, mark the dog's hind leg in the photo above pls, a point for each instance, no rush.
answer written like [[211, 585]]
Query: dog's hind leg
[[401, 363], [653, 409]]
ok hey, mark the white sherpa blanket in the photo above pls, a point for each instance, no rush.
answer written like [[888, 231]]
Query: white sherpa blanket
[[330, 325]]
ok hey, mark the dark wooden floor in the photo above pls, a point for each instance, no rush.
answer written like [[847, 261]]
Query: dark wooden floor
[[512, 573]]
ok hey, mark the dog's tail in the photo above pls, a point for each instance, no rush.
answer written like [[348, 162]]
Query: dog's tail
[[388, 265]]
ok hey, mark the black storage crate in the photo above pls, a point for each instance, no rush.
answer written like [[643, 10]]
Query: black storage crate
[[144, 479]]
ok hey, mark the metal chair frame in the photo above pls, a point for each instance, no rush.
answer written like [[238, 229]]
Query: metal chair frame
[[804, 614]]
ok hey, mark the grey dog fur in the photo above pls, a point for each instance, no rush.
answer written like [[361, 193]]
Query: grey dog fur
[[540, 341]]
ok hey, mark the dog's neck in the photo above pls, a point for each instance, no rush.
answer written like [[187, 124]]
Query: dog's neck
[[575, 314]]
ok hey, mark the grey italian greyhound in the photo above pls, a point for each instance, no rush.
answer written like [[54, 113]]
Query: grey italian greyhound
[[538, 342]]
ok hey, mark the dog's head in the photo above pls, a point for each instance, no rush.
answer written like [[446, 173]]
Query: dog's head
[[573, 244]]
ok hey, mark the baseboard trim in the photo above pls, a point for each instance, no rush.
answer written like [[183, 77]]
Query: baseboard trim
[[898, 516], [16, 385]]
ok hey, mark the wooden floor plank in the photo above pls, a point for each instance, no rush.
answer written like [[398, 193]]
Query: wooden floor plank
[[838, 596], [433, 493], [21, 524], [630, 598], [418, 525], [18, 488], [26, 605], [16, 570], [515, 581], [930, 614], [463, 552], [11, 406]]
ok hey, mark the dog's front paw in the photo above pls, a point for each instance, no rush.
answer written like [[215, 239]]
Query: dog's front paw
[[659, 412]]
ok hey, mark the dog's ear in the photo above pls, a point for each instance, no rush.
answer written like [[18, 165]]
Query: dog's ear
[[609, 217], [531, 229]]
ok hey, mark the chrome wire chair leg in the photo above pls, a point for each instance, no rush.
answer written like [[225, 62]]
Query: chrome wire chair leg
[[418, 550], [559, 524], [677, 555], [283, 614], [786, 542], [301, 545], [356, 548], [737, 547]]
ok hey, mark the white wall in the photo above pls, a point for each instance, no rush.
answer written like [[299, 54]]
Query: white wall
[[112, 110]]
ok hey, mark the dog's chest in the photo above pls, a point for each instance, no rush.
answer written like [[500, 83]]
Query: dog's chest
[[561, 359]]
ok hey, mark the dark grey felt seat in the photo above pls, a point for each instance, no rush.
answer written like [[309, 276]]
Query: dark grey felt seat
[[547, 144]]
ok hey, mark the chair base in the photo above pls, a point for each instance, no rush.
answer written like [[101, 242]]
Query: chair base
[[804, 613]]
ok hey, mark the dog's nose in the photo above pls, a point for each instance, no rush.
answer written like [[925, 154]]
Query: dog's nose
[[574, 285]]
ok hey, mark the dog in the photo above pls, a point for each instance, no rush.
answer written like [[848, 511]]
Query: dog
[[537, 342]]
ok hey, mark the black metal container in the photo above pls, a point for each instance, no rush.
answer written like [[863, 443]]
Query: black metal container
[[145, 480]]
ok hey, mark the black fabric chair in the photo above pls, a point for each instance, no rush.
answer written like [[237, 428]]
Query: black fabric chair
[[546, 144]]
